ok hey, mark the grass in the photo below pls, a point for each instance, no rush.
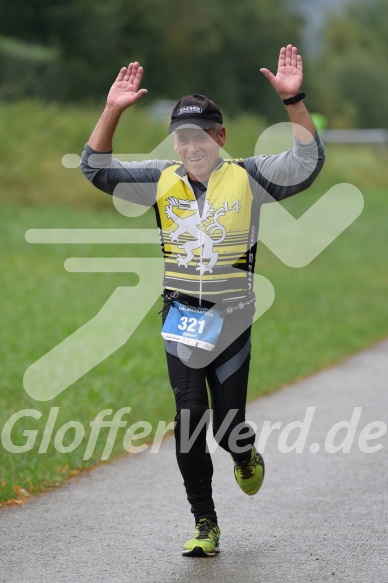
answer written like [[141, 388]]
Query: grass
[[323, 312]]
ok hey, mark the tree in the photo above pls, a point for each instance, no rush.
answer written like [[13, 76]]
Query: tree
[[352, 85], [214, 47]]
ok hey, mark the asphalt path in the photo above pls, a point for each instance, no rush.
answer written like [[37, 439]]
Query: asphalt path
[[320, 515]]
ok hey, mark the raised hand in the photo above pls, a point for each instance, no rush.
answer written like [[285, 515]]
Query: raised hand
[[125, 90], [289, 76]]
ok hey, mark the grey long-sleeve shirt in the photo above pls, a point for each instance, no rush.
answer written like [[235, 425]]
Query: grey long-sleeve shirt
[[273, 177], [208, 232]]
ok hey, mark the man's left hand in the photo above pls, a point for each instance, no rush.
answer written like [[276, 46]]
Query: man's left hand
[[289, 76]]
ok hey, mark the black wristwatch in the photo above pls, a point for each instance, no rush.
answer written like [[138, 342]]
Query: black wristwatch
[[294, 99]]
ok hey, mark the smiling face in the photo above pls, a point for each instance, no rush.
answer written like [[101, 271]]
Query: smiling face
[[199, 150]]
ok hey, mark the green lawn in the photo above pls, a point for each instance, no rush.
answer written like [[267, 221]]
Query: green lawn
[[322, 313]]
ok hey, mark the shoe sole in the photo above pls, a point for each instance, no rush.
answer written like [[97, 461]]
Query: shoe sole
[[199, 552]]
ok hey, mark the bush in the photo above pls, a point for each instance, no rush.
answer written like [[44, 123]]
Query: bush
[[26, 70]]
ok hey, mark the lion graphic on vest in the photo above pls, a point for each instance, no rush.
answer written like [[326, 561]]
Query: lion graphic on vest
[[193, 224]]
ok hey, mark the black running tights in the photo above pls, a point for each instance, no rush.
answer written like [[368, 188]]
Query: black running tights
[[227, 379]]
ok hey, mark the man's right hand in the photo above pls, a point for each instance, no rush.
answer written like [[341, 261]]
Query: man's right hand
[[125, 90], [123, 93]]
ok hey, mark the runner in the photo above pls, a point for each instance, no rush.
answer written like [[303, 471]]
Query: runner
[[207, 211]]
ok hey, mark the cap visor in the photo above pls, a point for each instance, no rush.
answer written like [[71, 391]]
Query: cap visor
[[193, 124]]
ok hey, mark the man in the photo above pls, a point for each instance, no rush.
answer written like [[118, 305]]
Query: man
[[207, 211]]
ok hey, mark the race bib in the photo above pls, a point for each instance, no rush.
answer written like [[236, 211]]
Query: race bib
[[199, 327]]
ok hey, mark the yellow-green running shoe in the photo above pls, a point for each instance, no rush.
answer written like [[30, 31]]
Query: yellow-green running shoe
[[250, 476], [205, 542]]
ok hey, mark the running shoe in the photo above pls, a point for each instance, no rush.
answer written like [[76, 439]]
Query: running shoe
[[205, 542], [250, 475]]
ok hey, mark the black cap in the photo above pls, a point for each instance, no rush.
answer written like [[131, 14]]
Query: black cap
[[197, 110]]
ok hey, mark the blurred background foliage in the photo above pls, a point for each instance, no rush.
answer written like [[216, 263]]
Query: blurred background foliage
[[354, 80], [57, 62], [70, 52]]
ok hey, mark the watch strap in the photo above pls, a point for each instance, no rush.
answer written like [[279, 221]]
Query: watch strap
[[294, 99]]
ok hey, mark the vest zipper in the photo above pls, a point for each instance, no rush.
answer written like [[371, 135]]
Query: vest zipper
[[200, 260], [186, 181]]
